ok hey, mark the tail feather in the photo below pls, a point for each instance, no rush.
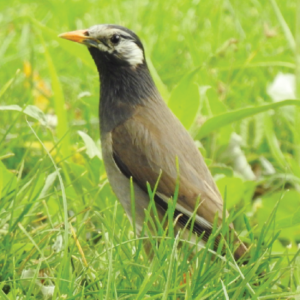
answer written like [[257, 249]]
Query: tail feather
[[241, 249]]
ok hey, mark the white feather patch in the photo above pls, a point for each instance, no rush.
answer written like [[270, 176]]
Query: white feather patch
[[130, 51], [126, 50]]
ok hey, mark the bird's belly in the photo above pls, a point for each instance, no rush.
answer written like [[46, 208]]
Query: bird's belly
[[121, 186]]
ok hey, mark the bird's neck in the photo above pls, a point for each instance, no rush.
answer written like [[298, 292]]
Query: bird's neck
[[122, 89], [131, 86]]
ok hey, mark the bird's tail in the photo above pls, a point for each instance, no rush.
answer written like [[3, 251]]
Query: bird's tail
[[241, 249]]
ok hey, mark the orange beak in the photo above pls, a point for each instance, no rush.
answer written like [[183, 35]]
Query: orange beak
[[79, 36]]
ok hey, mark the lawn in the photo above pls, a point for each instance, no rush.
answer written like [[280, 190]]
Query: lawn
[[229, 70]]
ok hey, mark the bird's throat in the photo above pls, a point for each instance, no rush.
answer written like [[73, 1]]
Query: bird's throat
[[122, 88]]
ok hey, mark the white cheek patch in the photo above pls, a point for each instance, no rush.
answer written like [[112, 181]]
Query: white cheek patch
[[102, 47], [129, 51]]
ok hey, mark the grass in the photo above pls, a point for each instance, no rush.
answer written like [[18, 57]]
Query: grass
[[63, 233]]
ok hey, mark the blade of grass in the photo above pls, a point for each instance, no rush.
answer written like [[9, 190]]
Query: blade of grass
[[227, 118], [297, 74], [148, 281], [273, 142], [42, 258], [8, 84], [158, 82], [65, 260], [132, 199], [169, 275], [59, 103], [224, 290], [33, 282], [286, 30]]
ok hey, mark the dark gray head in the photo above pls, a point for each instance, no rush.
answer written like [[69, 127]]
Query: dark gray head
[[125, 79]]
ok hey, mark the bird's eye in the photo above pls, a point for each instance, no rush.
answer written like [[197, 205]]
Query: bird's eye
[[115, 39]]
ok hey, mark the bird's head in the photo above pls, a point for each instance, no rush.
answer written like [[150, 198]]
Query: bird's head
[[125, 80], [111, 44]]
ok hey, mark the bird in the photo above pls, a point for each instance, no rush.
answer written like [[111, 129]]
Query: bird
[[143, 143]]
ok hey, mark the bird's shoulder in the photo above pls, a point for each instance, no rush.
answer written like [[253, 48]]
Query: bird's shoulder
[[155, 135]]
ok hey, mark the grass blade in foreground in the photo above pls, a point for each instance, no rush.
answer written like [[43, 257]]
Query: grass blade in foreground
[[227, 118]]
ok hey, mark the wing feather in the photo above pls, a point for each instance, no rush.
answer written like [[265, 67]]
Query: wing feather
[[150, 142]]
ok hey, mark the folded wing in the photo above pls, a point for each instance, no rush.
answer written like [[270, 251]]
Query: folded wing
[[148, 144]]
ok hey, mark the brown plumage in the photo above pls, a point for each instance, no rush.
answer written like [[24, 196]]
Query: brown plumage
[[141, 137]]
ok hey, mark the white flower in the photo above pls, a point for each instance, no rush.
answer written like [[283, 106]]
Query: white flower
[[282, 88]]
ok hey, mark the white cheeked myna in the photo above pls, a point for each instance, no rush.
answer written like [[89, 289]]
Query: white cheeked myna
[[141, 138]]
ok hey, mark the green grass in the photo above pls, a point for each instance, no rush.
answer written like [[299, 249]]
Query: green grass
[[61, 228]]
